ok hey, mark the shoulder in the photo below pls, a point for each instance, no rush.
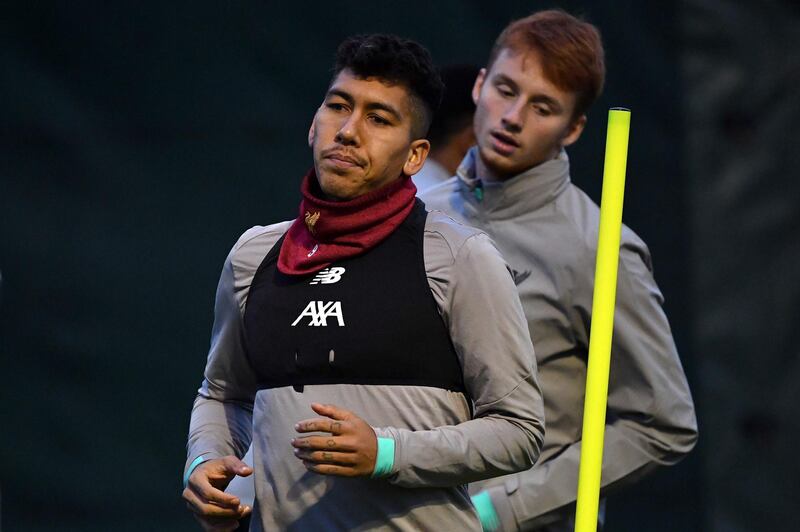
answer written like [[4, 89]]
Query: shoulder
[[583, 216], [455, 250], [446, 236], [250, 249], [456, 254]]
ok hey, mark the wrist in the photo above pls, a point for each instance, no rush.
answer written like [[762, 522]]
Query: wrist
[[384, 458], [196, 462], [487, 513]]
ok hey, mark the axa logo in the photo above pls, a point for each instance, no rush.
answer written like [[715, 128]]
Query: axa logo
[[328, 276], [319, 312]]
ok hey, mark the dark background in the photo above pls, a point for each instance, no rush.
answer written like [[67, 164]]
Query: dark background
[[138, 140]]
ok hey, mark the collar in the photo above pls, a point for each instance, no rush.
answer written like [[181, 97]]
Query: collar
[[518, 195], [329, 231]]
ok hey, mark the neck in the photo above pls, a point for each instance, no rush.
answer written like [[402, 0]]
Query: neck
[[485, 172]]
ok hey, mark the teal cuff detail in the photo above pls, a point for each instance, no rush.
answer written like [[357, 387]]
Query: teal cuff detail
[[486, 512], [196, 462], [384, 461]]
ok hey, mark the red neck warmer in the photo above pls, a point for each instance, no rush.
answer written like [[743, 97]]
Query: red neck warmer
[[329, 231]]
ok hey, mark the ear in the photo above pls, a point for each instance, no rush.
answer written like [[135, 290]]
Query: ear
[[574, 131], [476, 89], [311, 132], [417, 153]]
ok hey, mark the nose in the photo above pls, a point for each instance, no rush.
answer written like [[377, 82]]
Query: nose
[[348, 133], [513, 119]]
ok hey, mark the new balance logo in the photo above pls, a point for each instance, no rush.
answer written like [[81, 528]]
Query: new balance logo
[[520, 276], [320, 311], [328, 276]]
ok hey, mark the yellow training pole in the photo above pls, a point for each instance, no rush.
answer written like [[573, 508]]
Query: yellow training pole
[[605, 291]]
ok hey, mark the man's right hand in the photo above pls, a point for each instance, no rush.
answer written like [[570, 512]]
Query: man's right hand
[[215, 510]]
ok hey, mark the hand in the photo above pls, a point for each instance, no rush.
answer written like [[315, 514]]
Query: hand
[[215, 510], [349, 451]]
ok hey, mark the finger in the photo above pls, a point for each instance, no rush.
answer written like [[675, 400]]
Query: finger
[[330, 469], [322, 425], [331, 411], [217, 523], [206, 509], [324, 443], [218, 472], [327, 457], [236, 466], [207, 492]]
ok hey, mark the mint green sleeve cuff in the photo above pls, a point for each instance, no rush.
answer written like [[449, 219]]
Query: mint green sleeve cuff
[[196, 462], [486, 512], [384, 461]]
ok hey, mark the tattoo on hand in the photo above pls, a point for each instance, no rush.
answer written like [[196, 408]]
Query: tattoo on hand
[[336, 426], [331, 444]]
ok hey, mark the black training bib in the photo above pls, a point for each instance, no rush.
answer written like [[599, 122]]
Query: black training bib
[[370, 319]]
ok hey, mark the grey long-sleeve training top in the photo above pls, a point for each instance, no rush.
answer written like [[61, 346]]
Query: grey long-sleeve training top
[[546, 228], [440, 445]]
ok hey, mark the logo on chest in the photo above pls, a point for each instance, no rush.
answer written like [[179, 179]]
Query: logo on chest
[[328, 276], [318, 313]]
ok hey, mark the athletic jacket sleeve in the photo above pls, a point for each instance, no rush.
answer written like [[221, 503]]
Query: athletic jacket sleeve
[[221, 421], [481, 308], [650, 417]]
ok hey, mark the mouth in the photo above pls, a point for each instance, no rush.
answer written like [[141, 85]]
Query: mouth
[[503, 143], [341, 160]]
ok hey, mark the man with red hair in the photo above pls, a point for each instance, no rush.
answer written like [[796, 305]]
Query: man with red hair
[[543, 73]]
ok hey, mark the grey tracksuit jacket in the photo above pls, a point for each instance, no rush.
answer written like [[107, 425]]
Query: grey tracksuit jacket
[[546, 228], [443, 439]]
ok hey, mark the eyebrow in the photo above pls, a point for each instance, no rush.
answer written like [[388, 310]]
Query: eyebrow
[[370, 105], [538, 98]]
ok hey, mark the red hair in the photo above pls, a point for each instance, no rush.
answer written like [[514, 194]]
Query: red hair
[[570, 50]]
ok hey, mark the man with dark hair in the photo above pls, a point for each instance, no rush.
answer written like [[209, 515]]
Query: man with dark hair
[[396, 61], [451, 133], [544, 72], [367, 408]]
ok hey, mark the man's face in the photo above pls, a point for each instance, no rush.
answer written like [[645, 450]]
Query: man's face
[[361, 137], [521, 119]]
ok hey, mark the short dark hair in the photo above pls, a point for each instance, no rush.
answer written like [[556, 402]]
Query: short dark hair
[[395, 60], [457, 108], [571, 52]]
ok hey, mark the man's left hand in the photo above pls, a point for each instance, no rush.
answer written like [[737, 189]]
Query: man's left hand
[[349, 450]]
